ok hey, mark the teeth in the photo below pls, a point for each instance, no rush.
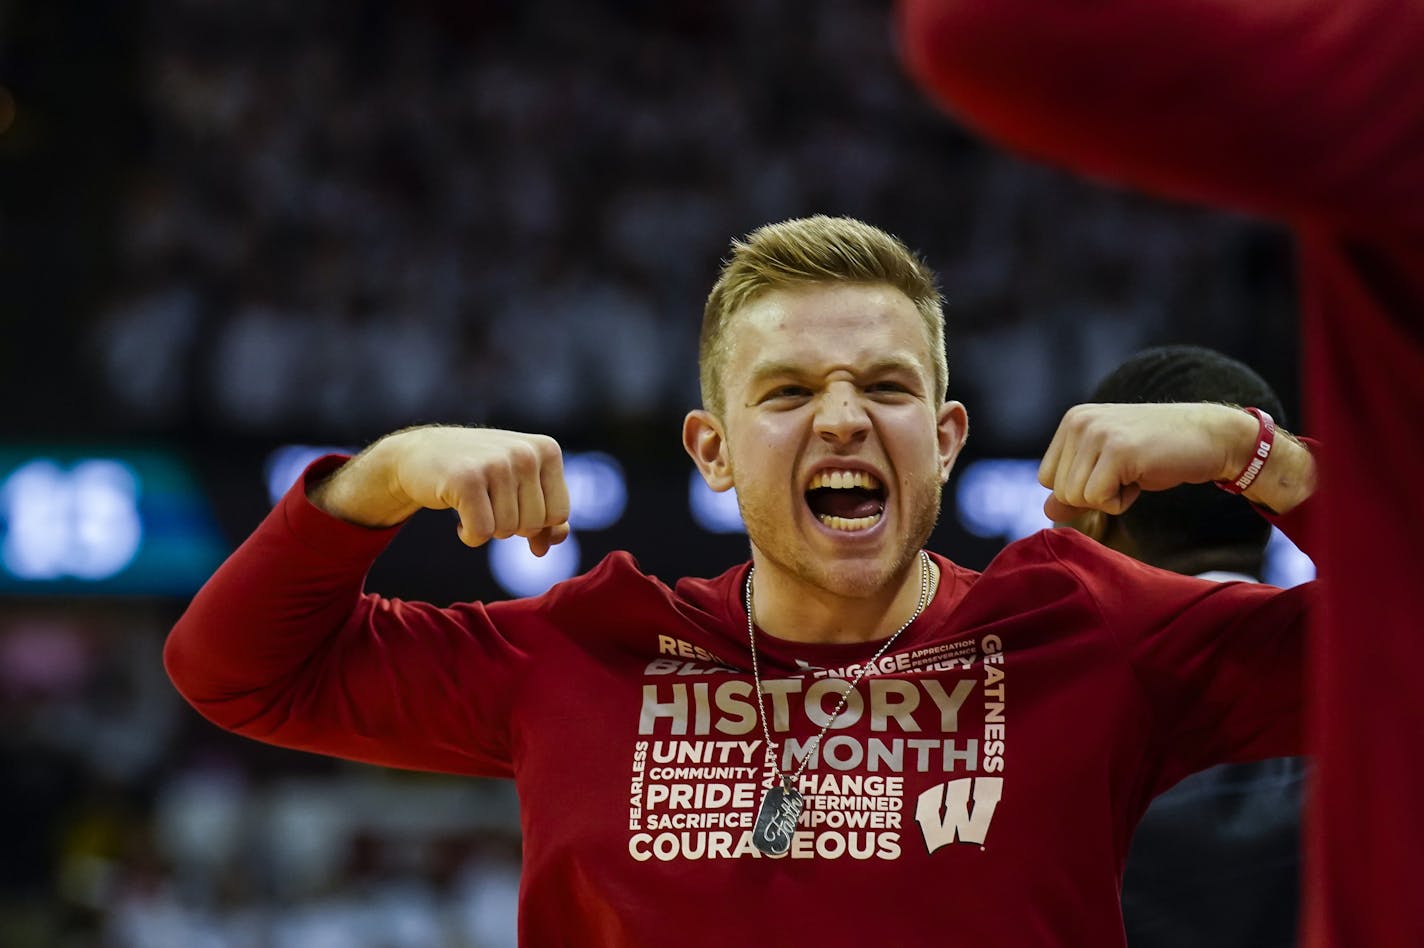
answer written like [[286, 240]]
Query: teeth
[[848, 524], [840, 480]]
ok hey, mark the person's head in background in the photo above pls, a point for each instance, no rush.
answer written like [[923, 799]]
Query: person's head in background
[[1195, 528]]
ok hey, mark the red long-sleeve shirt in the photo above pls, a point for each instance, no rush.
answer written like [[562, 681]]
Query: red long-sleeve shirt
[[1312, 112], [979, 790]]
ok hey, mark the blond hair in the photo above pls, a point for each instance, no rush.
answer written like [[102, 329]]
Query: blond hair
[[807, 251]]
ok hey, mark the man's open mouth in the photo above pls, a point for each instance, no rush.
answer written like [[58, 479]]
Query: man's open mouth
[[846, 500]]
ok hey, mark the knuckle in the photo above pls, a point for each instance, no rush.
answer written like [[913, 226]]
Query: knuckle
[[523, 460], [456, 494], [471, 480], [1087, 420], [498, 473]]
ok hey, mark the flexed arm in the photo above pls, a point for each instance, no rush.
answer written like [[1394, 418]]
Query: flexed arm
[[282, 644], [1103, 456]]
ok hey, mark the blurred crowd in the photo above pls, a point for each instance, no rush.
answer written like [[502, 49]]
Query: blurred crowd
[[133, 824], [350, 218]]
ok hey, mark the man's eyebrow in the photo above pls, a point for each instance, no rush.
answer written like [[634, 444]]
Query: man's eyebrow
[[893, 364], [887, 365], [768, 370]]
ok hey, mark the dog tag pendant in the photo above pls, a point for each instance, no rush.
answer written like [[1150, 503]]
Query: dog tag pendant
[[776, 820]]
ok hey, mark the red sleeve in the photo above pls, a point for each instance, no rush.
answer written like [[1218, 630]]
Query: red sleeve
[[282, 645], [1298, 109], [1220, 664]]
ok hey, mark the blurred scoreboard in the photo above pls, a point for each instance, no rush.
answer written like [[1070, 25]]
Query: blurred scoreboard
[[91, 521]]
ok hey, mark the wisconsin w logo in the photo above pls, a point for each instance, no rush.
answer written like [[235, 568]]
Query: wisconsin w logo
[[944, 815]]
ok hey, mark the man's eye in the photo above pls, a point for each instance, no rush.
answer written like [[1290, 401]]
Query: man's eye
[[789, 391], [894, 387]]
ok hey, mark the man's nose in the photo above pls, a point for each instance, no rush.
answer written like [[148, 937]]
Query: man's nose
[[840, 415]]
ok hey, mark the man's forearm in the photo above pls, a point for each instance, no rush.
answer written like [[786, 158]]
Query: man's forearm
[[1104, 455], [1286, 479]]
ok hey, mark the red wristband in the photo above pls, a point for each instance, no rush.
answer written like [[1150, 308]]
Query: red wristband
[[1265, 438]]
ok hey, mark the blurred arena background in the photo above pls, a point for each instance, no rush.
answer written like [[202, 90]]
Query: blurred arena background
[[237, 234]]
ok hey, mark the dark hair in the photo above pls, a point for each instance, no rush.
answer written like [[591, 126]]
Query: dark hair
[[1194, 521]]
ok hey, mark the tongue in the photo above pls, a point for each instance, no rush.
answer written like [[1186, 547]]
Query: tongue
[[849, 503]]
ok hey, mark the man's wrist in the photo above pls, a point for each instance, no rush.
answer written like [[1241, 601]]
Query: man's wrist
[[1257, 456]]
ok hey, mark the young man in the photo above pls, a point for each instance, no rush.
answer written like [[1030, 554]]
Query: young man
[[1310, 112], [847, 738], [1216, 859]]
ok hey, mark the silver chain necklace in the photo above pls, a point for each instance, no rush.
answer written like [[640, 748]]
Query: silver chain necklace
[[781, 807]]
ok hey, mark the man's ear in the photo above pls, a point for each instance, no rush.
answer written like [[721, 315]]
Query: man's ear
[[706, 444], [953, 428]]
